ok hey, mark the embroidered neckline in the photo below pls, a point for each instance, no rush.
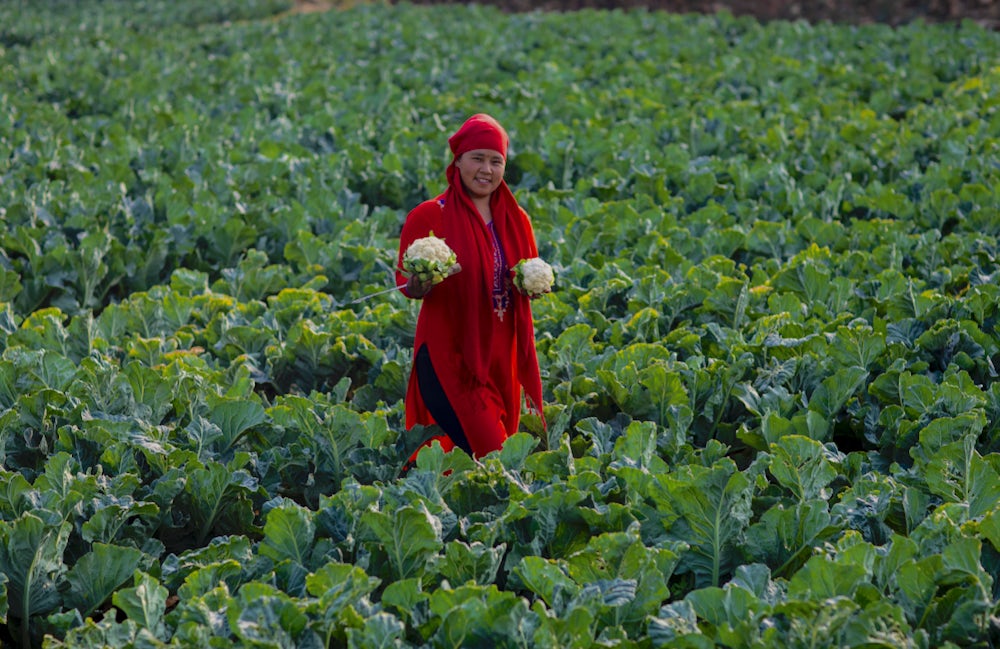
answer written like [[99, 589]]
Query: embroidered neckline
[[501, 283]]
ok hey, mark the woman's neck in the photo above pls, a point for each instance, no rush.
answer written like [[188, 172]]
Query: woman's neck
[[483, 205]]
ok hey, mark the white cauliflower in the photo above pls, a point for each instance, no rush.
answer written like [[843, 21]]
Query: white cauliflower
[[533, 276], [429, 258]]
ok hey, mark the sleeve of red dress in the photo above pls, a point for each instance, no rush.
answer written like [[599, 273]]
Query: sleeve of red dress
[[419, 223]]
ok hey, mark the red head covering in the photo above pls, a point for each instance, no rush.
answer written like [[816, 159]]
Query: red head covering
[[479, 132]]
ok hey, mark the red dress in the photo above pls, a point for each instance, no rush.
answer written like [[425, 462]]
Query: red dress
[[474, 346]]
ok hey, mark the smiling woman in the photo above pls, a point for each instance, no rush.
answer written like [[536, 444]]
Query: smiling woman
[[475, 343]]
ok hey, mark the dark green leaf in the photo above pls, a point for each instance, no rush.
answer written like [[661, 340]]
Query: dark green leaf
[[145, 603], [289, 533], [409, 535], [714, 508], [98, 574], [31, 556]]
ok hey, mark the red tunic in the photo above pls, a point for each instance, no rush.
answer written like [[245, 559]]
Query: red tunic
[[480, 344]]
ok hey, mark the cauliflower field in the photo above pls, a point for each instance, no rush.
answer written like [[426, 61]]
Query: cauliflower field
[[769, 359]]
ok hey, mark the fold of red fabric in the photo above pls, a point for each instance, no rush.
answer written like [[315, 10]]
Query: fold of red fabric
[[471, 241]]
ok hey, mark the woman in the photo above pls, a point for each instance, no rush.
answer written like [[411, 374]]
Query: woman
[[475, 342]]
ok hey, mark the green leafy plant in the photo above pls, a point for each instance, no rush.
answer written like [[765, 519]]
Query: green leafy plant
[[769, 372]]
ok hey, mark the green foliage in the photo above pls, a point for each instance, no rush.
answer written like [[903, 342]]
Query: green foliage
[[769, 365]]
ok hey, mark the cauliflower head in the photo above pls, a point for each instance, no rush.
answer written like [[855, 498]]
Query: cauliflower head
[[429, 258], [533, 276]]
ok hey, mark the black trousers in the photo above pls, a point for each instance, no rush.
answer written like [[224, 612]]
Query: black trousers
[[437, 401]]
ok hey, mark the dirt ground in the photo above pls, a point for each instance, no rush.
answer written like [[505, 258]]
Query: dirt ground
[[311, 6], [893, 12]]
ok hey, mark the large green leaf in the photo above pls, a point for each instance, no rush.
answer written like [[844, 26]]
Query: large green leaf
[[623, 558], [220, 497], [785, 537], [548, 579], [145, 603], [955, 471], [713, 507], [340, 584], [236, 550], [833, 393], [858, 346], [731, 613], [803, 466], [31, 556], [210, 576], [677, 625], [150, 389], [234, 417], [98, 574], [409, 536], [572, 350], [289, 533], [822, 578], [481, 616], [476, 563], [341, 589], [380, 631], [547, 522], [408, 599], [261, 615], [120, 519]]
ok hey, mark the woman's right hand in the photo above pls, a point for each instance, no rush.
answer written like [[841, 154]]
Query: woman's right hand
[[417, 288]]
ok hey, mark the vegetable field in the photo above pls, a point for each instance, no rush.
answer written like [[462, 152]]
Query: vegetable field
[[769, 363]]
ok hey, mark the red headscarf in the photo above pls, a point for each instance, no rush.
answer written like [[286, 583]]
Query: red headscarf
[[479, 132], [467, 235]]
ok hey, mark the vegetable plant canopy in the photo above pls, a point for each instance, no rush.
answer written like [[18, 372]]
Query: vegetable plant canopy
[[769, 357]]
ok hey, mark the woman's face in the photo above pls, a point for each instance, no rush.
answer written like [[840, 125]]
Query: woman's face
[[481, 171]]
